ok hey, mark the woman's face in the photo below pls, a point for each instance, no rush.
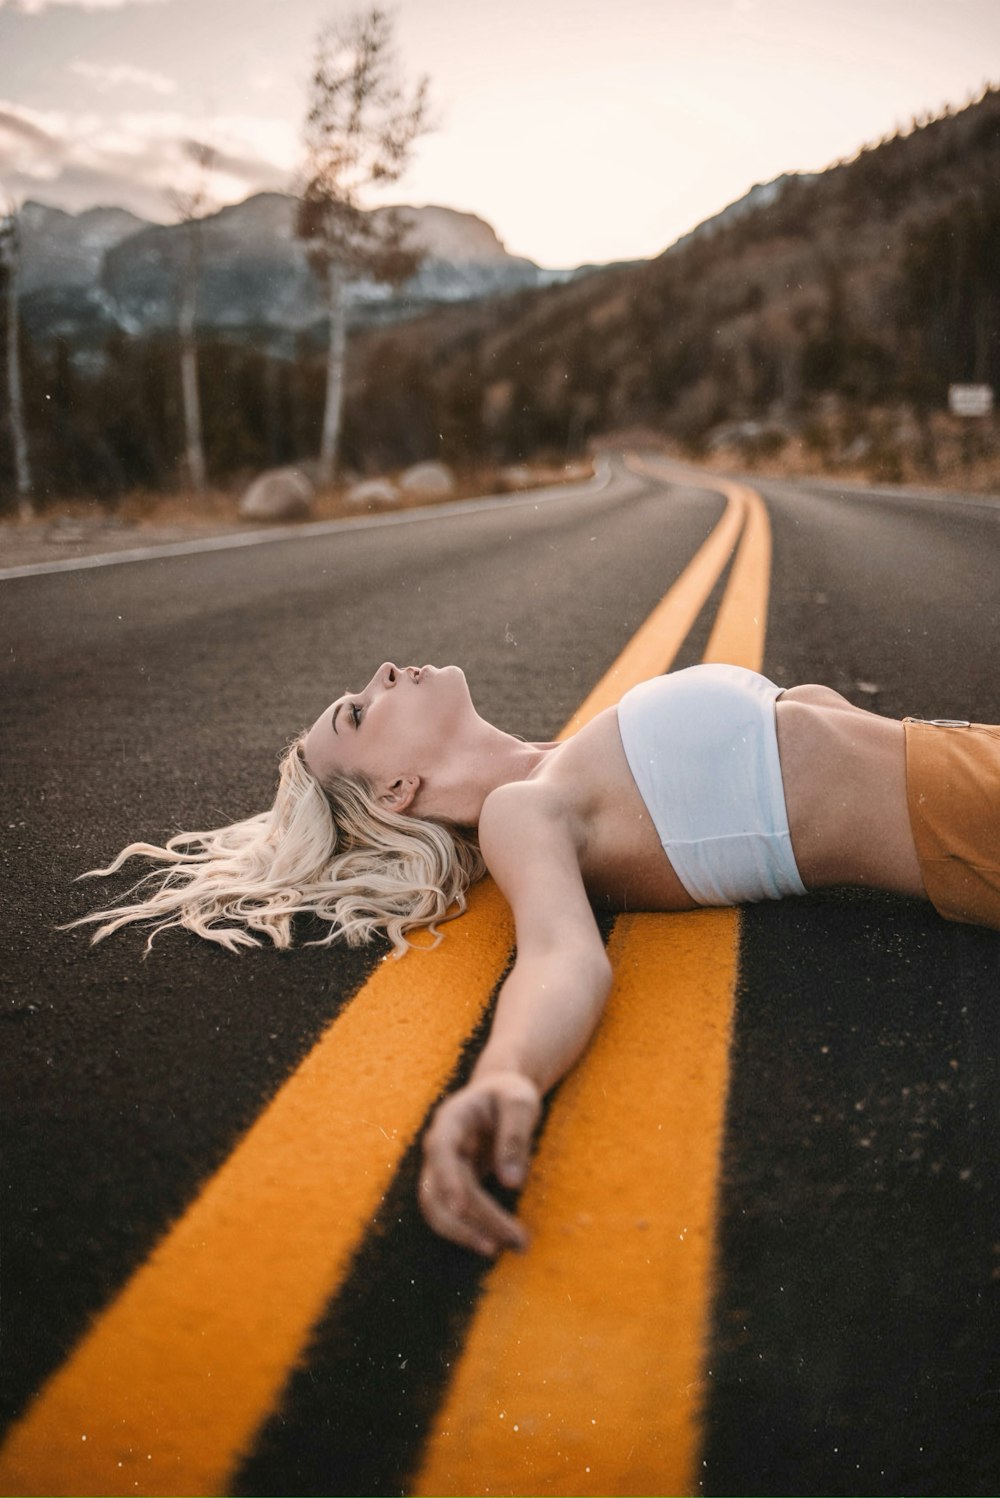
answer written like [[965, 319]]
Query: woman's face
[[400, 725]]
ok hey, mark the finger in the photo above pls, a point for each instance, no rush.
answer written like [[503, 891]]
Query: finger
[[459, 1126], [458, 1203], [452, 1226], [512, 1147], [455, 1205]]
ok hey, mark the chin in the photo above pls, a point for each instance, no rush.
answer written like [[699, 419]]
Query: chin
[[452, 680], [452, 671]]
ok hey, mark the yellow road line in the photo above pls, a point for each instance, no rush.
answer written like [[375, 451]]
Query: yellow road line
[[741, 623], [168, 1388], [165, 1392], [653, 647], [583, 1369], [582, 1372]]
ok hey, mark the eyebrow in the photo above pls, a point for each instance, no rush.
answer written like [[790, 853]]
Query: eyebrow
[[333, 720]]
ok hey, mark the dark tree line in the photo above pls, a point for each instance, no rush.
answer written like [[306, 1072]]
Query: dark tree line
[[103, 433], [950, 296]]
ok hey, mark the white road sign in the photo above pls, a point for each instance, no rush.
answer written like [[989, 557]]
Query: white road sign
[[970, 400]]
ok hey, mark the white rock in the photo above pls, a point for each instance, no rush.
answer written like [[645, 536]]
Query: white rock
[[373, 492], [517, 476], [428, 478], [858, 448], [278, 494]]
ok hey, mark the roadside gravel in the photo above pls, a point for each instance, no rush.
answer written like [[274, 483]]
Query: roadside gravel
[[27, 543]]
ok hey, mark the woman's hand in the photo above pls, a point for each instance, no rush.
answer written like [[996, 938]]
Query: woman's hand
[[483, 1129]]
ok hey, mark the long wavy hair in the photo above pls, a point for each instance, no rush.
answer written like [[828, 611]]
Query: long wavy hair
[[326, 850]]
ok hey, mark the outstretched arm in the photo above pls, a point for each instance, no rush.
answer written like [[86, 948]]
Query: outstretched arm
[[547, 1011]]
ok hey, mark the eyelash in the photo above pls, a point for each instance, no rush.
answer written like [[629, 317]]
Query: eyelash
[[355, 713]]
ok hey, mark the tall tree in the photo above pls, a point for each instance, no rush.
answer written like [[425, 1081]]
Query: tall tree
[[192, 204], [10, 263], [359, 130]]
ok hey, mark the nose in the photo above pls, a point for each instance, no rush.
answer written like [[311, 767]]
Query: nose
[[387, 674]]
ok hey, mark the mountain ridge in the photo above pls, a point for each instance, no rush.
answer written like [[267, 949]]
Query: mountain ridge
[[104, 269], [87, 274]]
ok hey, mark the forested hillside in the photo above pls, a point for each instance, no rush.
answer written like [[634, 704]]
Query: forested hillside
[[835, 315], [823, 325]]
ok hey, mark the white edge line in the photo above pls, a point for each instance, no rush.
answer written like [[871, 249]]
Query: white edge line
[[599, 481]]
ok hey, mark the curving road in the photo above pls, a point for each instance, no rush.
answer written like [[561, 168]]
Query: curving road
[[854, 1319]]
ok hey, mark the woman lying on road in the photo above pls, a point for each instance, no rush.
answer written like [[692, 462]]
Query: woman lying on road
[[709, 786]]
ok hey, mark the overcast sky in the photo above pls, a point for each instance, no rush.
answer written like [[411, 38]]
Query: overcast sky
[[582, 130]]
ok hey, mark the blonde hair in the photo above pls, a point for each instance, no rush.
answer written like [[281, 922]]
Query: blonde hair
[[325, 850]]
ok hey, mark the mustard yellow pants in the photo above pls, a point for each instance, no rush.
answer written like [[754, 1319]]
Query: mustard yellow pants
[[953, 793]]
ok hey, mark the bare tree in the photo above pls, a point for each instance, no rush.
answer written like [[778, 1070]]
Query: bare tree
[[359, 130], [192, 204], [10, 263]]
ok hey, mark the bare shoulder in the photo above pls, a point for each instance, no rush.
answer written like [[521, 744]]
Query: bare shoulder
[[530, 841], [536, 814]]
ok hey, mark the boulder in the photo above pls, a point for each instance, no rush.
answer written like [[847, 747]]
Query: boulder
[[373, 493], [752, 436], [516, 476], [432, 479], [857, 450], [278, 494]]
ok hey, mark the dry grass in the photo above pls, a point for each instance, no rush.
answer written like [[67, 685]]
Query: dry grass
[[965, 459], [219, 508], [796, 460], [72, 528]]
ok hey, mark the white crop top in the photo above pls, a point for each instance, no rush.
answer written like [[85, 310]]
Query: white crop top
[[703, 750]]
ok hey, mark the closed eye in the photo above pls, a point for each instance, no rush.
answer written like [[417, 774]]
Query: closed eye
[[355, 714]]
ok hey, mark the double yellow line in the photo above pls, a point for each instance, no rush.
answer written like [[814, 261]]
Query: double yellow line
[[582, 1371]]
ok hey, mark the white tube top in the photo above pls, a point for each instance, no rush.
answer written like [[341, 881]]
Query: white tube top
[[703, 750]]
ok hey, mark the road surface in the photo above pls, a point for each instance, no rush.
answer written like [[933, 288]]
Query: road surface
[[846, 1340]]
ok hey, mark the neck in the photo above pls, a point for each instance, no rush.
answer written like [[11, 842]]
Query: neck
[[488, 759]]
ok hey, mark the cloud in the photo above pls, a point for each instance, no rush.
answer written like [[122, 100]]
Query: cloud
[[30, 149], [106, 76], [136, 159], [23, 131], [35, 7]]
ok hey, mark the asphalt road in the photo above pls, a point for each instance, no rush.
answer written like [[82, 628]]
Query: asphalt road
[[855, 1319]]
